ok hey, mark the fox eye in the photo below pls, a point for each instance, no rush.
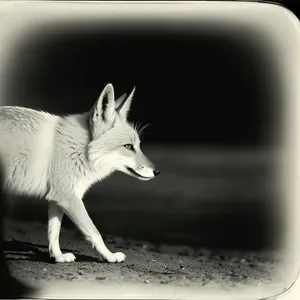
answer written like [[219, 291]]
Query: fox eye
[[128, 146]]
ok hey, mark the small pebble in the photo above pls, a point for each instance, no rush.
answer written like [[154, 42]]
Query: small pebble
[[146, 281], [165, 281], [100, 278], [223, 257]]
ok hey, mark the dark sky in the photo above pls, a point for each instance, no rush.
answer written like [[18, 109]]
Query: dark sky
[[210, 88]]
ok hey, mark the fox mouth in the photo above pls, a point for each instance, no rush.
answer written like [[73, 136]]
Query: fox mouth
[[136, 174]]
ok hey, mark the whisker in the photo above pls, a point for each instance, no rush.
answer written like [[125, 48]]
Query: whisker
[[142, 130], [136, 126]]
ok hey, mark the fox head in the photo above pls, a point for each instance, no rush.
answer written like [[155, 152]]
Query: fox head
[[115, 144]]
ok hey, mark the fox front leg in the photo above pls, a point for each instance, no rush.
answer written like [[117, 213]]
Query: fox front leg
[[55, 215], [76, 211]]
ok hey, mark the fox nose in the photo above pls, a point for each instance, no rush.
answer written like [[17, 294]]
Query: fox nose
[[156, 172]]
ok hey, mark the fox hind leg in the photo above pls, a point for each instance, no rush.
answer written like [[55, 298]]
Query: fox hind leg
[[55, 215]]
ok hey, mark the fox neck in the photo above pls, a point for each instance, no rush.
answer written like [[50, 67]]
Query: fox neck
[[76, 127]]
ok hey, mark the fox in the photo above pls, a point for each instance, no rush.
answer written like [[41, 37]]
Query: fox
[[59, 157]]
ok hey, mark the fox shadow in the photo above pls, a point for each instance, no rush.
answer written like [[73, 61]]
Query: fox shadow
[[19, 250], [10, 287]]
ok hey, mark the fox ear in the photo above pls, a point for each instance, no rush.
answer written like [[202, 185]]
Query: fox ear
[[104, 108], [120, 100], [103, 112], [123, 106]]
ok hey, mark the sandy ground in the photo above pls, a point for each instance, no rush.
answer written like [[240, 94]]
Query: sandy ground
[[176, 266], [200, 191]]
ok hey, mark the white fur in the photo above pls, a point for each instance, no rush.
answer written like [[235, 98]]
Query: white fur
[[59, 157]]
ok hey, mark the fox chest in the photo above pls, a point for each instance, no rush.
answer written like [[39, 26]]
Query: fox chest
[[84, 183]]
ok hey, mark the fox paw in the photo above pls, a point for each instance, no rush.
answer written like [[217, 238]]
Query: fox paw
[[115, 257], [66, 257]]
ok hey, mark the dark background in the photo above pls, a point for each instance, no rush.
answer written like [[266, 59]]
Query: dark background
[[212, 98], [213, 87]]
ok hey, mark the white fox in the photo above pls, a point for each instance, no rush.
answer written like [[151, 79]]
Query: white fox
[[59, 157]]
